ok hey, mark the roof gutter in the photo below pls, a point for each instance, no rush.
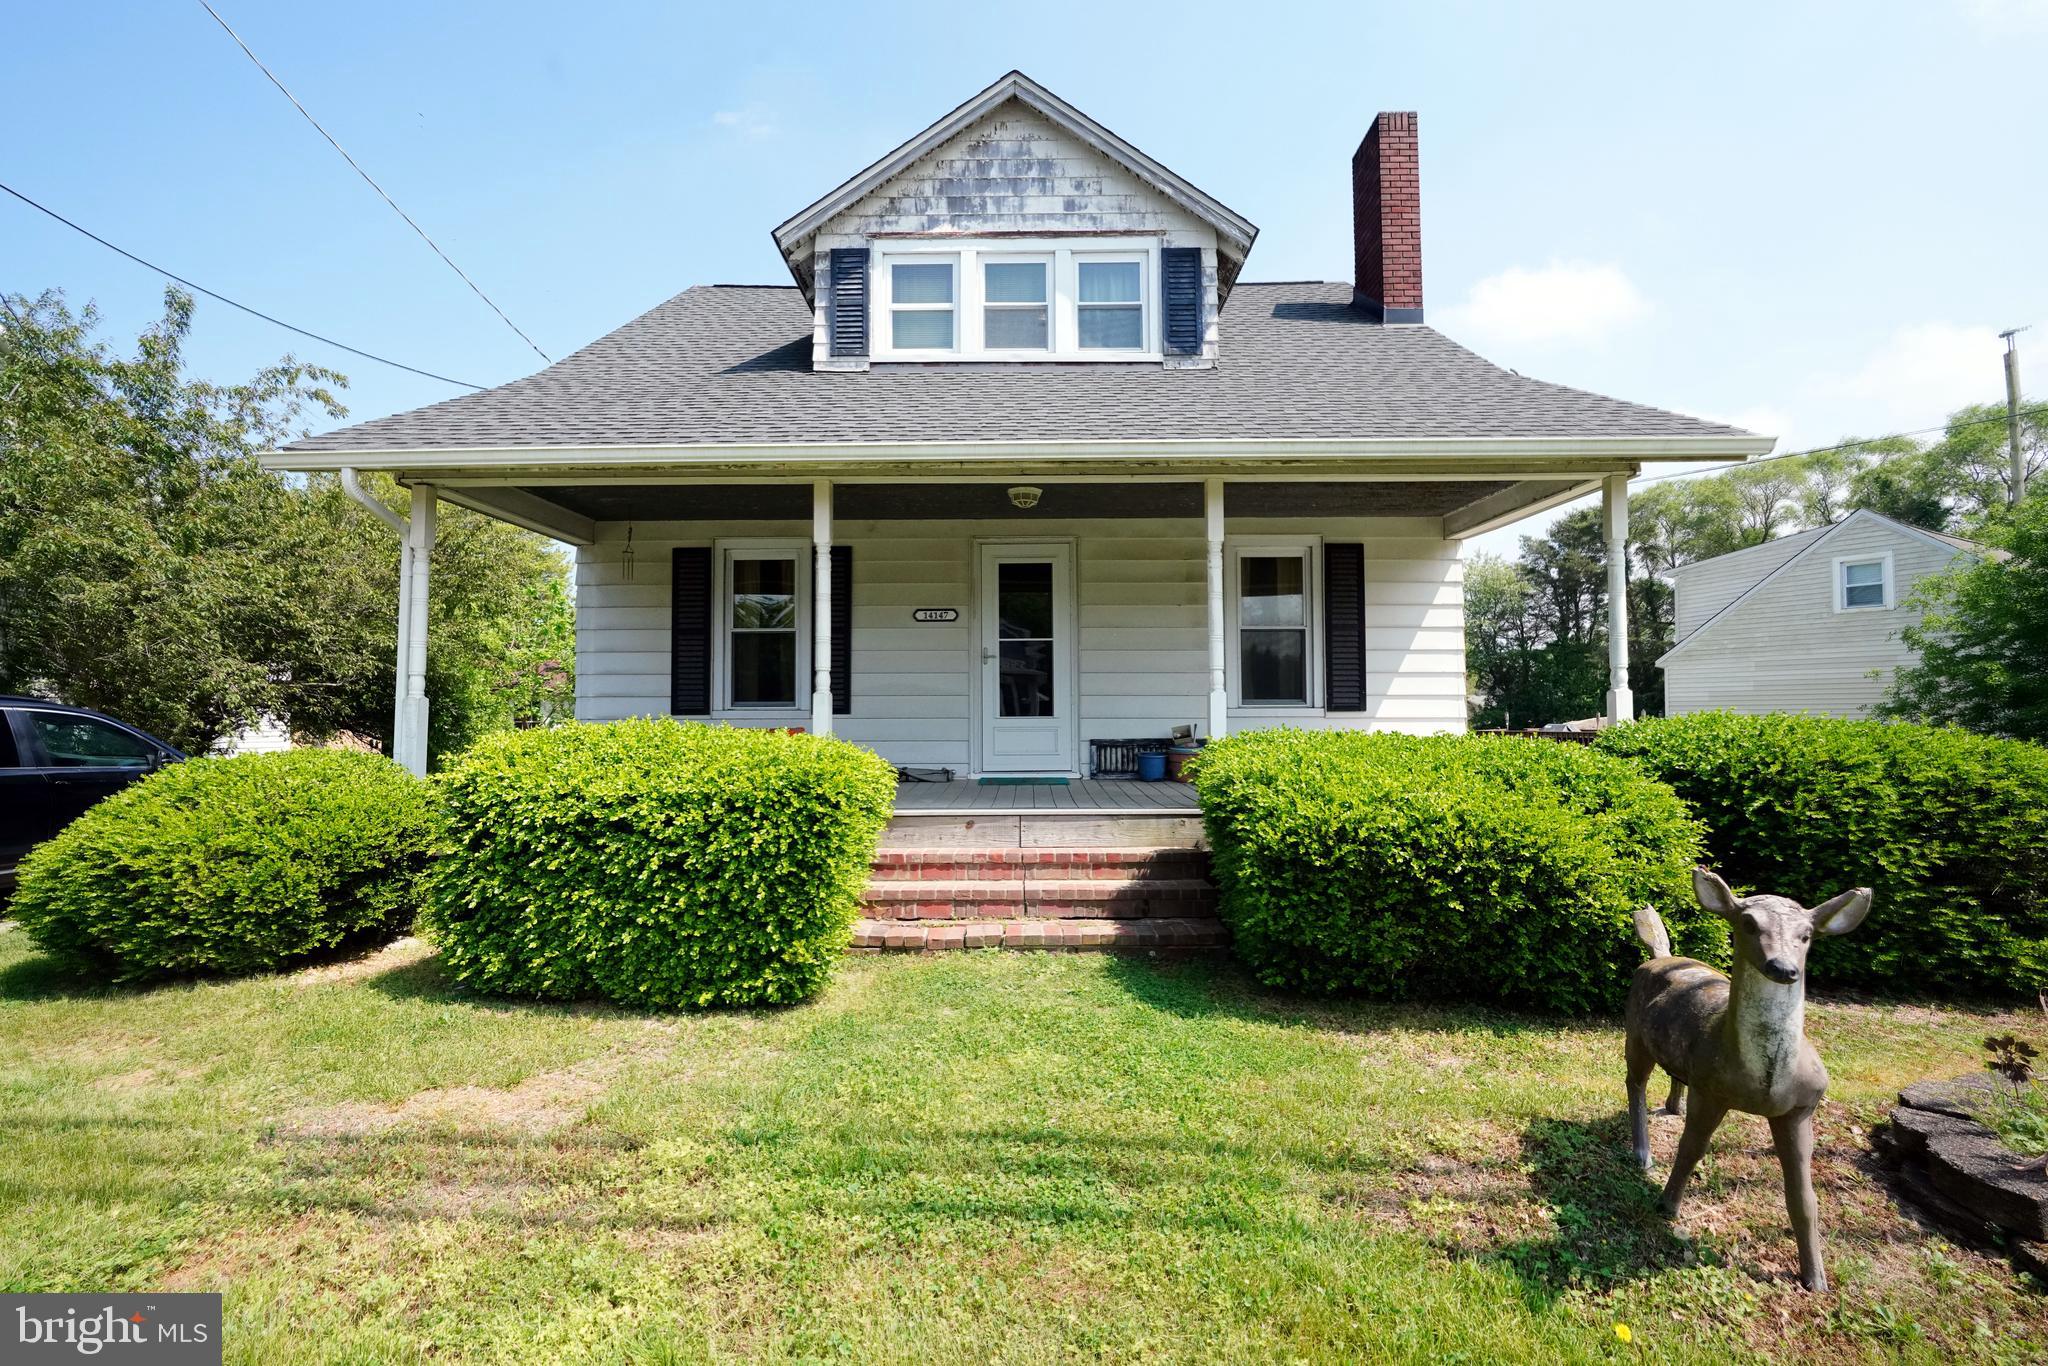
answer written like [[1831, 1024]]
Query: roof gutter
[[1734, 446]]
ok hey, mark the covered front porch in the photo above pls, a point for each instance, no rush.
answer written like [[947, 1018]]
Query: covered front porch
[[999, 618]]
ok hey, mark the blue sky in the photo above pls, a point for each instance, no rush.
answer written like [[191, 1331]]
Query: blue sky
[[1810, 219]]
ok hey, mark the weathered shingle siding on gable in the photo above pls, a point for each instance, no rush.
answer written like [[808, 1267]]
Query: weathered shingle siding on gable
[[1014, 172], [1785, 648]]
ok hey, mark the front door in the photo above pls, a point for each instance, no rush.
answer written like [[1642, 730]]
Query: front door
[[1027, 658]]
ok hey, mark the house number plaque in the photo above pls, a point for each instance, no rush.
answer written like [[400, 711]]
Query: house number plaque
[[935, 614]]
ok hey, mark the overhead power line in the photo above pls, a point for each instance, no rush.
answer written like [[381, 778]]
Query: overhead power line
[[233, 303], [2039, 411], [474, 287]]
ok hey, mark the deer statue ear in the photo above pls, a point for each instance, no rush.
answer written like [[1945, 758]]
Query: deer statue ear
[[1714, 894], [1843, 913]]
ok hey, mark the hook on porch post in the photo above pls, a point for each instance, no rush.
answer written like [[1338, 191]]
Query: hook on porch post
[[1621, 703]]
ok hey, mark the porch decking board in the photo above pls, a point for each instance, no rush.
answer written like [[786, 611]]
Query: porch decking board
[[1081, 795]]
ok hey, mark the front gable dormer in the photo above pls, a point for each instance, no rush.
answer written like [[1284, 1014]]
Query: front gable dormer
[[1015, 229]]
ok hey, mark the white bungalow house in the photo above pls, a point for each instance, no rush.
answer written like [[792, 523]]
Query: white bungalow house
[[1806, 623], [1020, 461]]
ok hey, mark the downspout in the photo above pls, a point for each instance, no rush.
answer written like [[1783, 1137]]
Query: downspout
[[351, 486]]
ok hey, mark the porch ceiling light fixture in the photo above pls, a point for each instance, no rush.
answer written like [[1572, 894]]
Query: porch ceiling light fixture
[[1024, 496]]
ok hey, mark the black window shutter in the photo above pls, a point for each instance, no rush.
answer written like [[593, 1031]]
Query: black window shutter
[[842, 629], [1344, 625], [1182, 269], [849, 301], [689, 676]]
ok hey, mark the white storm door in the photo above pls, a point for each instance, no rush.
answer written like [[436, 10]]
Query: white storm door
[[1026, 625]]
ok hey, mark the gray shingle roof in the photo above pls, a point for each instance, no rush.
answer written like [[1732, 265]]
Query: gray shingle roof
[[721, 365]]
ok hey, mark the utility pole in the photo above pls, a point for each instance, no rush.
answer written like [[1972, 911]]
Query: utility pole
[[2016, 485]]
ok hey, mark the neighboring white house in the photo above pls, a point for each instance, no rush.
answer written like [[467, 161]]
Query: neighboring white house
[[1019, 462], [1808, 622]]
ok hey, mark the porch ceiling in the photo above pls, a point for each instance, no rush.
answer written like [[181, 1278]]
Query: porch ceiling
[[600, 502]]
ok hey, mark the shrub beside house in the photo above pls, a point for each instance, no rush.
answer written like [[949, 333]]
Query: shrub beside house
[[655, 863], [1500, 870], [1949, 829]]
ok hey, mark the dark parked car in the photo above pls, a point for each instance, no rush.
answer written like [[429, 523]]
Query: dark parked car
[[55, 761]]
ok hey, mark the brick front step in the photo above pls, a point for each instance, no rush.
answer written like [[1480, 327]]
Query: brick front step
[[899, 936], [1091, 898], [1037, 865]]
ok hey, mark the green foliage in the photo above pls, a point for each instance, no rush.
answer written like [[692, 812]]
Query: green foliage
[[1503, 869], [232, 865], [1949, 830], [1983, 639], [149, 568], [655, 863]]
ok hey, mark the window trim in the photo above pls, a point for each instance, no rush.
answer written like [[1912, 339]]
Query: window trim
[[969, 328], [954, 307], [724, 552], [1840, 582], [1310, 550], [979, 331], [1147, 310]]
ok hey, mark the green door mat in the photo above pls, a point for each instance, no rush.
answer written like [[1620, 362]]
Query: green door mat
[[1023, 782]]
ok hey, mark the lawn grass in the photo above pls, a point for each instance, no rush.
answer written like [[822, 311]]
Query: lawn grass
[[987, 1157]]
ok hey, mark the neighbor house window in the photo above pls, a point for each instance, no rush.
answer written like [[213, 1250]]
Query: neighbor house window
[[1016, 305], [1109, 304], [764, 642], [1274, 633], [921, 305], [1863, 583]]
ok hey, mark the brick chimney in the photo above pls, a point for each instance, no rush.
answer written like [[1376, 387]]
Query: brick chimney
[[1386, 221]]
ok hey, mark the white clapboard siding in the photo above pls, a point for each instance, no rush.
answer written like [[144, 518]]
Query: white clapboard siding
[[1705, 587], [1785, 647], [1142, 634]]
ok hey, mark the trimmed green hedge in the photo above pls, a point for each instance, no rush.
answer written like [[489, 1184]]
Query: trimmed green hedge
[[655, 863], [1949, 830], [237, 865], [1504, 870]]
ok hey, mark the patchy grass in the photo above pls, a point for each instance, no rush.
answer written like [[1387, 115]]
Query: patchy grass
[[987, 1157]]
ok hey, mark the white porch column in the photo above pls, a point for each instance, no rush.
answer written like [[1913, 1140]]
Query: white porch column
[[412, 752], [1621, 703], [821, 608], [399, 656], [1219, 696]]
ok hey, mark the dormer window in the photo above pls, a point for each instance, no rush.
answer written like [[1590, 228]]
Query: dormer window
[[921, 305], [1017, 300], [1111, 304], [1016, 304]]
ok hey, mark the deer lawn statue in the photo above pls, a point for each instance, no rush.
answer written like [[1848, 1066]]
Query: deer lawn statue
[[1739, 1043]]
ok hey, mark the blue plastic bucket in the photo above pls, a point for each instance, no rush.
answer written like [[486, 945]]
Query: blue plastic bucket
[[1151, 768]]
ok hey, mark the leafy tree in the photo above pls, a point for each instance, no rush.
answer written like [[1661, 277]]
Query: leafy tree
[[1983, 641], [150, 568]]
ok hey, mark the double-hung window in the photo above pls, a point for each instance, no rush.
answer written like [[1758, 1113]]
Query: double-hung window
[[921, 304], [764, 607], [1274, 626], [1109, 303], [1016, 299], [1863, 583], [1016, 304]]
